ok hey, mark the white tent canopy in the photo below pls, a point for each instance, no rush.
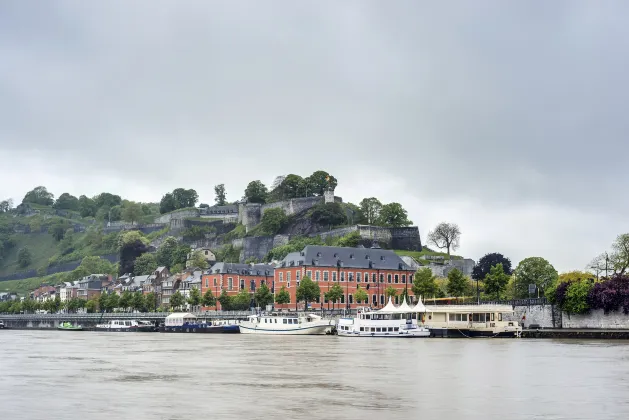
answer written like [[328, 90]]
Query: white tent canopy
[[404, 308], [390, 308], [419, 307], [178, 318]]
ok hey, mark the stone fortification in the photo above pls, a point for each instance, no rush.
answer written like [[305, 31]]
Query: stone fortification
[[177, 215], [394, 238]]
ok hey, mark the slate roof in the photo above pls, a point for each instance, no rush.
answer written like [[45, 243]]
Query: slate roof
[[243, 269], [334, 256]]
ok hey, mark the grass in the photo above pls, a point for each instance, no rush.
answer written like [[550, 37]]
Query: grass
[[24, 286], [204, 219], [417, 255], [43, 246]]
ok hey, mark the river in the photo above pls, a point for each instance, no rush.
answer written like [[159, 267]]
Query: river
[[88, 375]]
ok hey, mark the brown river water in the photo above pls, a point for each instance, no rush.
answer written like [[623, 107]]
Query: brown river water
[[89, 375]]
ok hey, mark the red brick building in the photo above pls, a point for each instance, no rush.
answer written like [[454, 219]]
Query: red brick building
[[373, 269], [233, 277]]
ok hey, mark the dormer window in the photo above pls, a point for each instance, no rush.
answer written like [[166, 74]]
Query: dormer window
[[319, 254], [381, 257], [351, 256], [336, 255]]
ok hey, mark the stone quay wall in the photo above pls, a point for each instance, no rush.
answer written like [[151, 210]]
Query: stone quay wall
[[177, 214], [596, 319]]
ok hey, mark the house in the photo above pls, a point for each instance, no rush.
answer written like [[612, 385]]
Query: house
[[190, 280], [129, 283], [91, 286], [169, 286], [373, 269], [229, 212], [43, 293], [233, 277], [153, 283], [6, 296], [67, 290], [210, 257]]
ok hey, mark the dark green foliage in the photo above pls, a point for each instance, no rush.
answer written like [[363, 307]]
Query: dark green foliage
[[176, 300], [458, 285], [167, 203], [256, 192], [221, 195], [496, 281], [24, 257], [209, 299], [225, 301], [128, 254], [228, 253], [282, 297], [319, 181], [263, 296], [67, 202], [58, 230], [328, 214], [273, 220], [39, 195], [370, 208], [180, 198], [351, 240], [393, 215], [87, 207], [197, 232], [145, 264], [308, 291], [424, 284], [107, 200], [484, 265]]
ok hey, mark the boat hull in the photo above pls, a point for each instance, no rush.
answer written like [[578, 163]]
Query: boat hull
[[201, 329], [70, 329], [467, 333], [251, 328], [415, 333], [132, 329]]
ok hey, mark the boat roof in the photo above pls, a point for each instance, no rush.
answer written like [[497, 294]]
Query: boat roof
[[470, 308], [181, 315]]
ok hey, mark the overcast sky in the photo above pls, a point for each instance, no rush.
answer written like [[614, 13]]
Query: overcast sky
[[508, 118]]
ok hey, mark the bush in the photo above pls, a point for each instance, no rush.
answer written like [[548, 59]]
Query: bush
[[610, 295], [24, 257], [273, 220], [328, 214]]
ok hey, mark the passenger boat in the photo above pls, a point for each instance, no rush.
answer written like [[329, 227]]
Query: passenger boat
[[285, 324], [2, 326], [472, 321], [189, 323], [126, 325], [391, 321], [68, 326]]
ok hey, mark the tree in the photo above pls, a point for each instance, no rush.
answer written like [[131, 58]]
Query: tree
[[67, 202], [263, 296], [133, 244], [404, 297], [484, 265], [393, 215], [370, 208], [91, 305], [496, 281], [534, 270], [457, 283], [39, 195], [87, 206], [58, 230], [282, 297], [150, 302], [103, 302], [145, 264], [176, 300], [273, 220], [185, 198], [167, 204], [194, 300], [331, 214], [198, 260], [209, 299], [360, 296], [166, 252], [24, 257], [107, 200], [620, 254], [126, 300], [320, 181], [290, 187], [242, 301], [221, 195], [334, 294], [256, 192], [424, 283], [132, 212], [446, 235], [113, 301], [6, 205], [308, 291], [225, 300], [390, 292], [138, 303]]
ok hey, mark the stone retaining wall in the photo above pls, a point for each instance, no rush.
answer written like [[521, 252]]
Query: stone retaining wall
[[596, 319]]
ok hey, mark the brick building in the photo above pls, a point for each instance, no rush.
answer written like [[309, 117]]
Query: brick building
[[373, 269], [233, 277]]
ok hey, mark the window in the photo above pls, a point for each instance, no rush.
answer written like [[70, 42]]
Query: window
[[285, 321], [396, 328], [317, 275], [288, 284], [366, 277], [230, 283], [207, 282], [396, 279], [215, 282], [252, 285], [350, 276], [309, 273], [373, 277], [381, 299], [373, 329], [499, 317], [391, 329], [288, 276], [374, 299], [388, 278], [362, 328], [403, 278], [351, 299], [381, 278], [242, 284], [281, 276], [334, 276], [378, 329], [325, 276], [342, 276], [358, 277], [342, 298], [492, 316], [298, 275]]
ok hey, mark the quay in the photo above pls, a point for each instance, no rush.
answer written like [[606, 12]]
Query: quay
[[580, 333]]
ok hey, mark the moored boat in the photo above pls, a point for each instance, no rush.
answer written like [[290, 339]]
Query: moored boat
[[485, 320], [189, 323], [126, 325], [285, 324], [68, 326], [391, 321]]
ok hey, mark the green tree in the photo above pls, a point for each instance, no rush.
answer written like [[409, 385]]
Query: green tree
[[390, 292], [457, 283], [404, 296], [138, 303], [132, 212], [424, 283], [209, 299], [185, 198], [360, 296], [166, 253], [496, 281], [107, 200], [225, 300], [319, 181], [103, 302], [67, 202], [484, 265], [273, 220], [180, 255], [328, 214], [289, 188], [334, 294], [256, 192], [308, 291], [177, 268], [126, 300], [58, 230], [534, 270], [28, 305], [167, 203], [145, 264], [194, 300], [242, 301], [113, 215], [24, 257], [198, 260], [221, 195], [6, 205], [393, 215], [176, 300], [371, 208], [150, 302], [39, 195], [282, 297], [445, 236], [91, 306], [576, 296], [87, 206], [113, 301], [263, 296]]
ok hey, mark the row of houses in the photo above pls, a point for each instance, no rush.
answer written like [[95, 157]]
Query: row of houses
[[374, 270]]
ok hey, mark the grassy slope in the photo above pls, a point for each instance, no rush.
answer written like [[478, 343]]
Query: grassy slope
[[42, 246], [424, 252]]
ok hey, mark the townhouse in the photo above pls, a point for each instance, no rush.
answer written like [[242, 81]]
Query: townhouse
[[233, 277]]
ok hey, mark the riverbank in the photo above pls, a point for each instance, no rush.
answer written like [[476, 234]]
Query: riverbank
[[578, 333]]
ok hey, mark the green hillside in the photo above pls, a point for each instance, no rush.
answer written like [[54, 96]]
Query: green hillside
[[417, 255]]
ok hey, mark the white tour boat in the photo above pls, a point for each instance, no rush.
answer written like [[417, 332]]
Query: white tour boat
[[485, 320], [390, 321], [285, 324], [126, 326]]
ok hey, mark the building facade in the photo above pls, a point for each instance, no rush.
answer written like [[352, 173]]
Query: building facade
[[233, 277], [372, 269]]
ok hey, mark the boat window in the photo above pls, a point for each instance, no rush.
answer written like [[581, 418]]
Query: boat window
[[362, 328], [492, 316], [378, 329], [373, 329], [487, 317], [452, 317], [396, 328], [499, 317], [285, 321], [368, 316], [390, 328]]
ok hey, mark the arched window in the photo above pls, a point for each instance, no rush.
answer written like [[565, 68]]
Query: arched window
[[381, 299], [342, 298], [351, 299], [374, 299]]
